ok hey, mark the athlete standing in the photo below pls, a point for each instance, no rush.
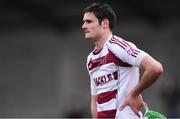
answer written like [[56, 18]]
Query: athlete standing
[[113, 67]]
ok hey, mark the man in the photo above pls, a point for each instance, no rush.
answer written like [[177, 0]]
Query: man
[[113, 67]]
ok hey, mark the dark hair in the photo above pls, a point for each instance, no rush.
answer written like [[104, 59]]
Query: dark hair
[[102, 11]]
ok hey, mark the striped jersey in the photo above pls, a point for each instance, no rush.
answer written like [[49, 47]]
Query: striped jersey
[[114, 71]]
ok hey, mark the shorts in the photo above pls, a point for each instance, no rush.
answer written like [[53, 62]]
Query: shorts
[[127, 113]]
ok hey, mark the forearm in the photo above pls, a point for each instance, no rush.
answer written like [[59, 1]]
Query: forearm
[[146, 81], [152, 70], [93, 107], [93, 111]]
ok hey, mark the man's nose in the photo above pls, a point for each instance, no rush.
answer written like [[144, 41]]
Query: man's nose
[[84, 26]]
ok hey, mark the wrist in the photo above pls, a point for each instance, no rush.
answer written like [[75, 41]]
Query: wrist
[[135, 92]]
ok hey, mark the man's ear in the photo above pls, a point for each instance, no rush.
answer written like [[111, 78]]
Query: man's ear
[[105, 23]]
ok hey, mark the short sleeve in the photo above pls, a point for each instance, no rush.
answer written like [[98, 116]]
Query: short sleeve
[[126, 51], [93, 87], [92, 83]]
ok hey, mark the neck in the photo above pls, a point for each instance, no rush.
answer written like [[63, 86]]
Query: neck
[[99, 43]]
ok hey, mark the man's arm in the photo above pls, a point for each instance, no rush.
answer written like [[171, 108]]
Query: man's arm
[[93, 106], [152, 70]]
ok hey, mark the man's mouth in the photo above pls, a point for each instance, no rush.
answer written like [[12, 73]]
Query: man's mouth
[[86, 31]]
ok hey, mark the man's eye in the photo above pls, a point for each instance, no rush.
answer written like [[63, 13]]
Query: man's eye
[[88, 21]]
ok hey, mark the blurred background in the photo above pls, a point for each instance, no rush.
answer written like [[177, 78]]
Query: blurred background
[[43, 54]]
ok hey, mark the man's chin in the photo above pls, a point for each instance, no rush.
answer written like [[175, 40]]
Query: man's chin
[[87, 37]]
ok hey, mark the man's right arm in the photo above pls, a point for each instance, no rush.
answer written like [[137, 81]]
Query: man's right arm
[[93, 106]]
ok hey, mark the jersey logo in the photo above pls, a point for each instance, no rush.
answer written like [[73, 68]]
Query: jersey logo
[[109, 58], [131, 51], [97, 62], [106, 78]]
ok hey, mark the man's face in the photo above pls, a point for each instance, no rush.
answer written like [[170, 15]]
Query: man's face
[[91, 26]]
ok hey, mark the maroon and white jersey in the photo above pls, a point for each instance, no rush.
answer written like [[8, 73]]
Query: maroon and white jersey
[[114, 71]]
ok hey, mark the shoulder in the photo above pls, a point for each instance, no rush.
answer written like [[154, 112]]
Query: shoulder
[[125, 50], [90, 55], [117, 41]]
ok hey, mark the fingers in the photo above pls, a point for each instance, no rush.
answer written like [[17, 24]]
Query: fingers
[[136, 111], [145, 106], [124, 104], [134, 104]]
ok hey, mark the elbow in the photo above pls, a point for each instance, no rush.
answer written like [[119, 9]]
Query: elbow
[[158, 69]]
